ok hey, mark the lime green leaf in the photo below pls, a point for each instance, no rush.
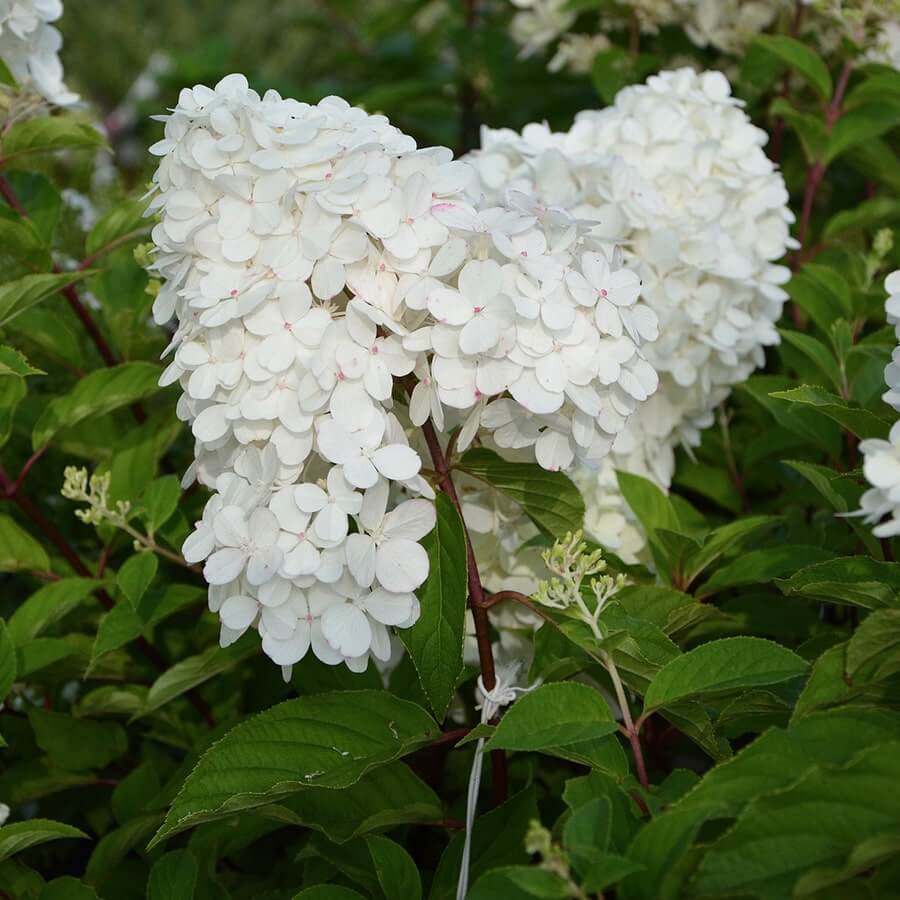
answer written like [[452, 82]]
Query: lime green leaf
[[327, 740], [721, 666], [874, 649], [77, 744], [387, 796], [553, 715], [48, 605], [549, 499], [862, 422], [800, 58], [195, 670], [13, 362], [7, 661], [20, 295], [173, 877], [649, 502], [159, 501], [48, 133], [100, 392], [435, 642], [6, 76], [18, 549], [122, 223], [135, 577], [850, 580], [21, 835]]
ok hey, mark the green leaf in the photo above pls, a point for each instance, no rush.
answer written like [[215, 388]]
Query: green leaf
[[12, 393], [721, 666], [173, 877], [7, 77], [862, 124], [327, 740], [649, 502], [47, 606], [387, 796], [549, 499], [874, 649], [815, 351], [328, 892], [7, 661], [13, 362], [122, 223], [118, 627], [68, 888], [868, 215], [498, 839], [100, 392], [760, 566], [611, 71], [850, 580], [22, 294], [195, 670], [21, 835], [48, 133], [553, 715], [859, 808], [159, 501], [19, 550], [722, 540], [800, 58], [809, 127], [435, 642], [519, 883], [77, 744], [397, 873], [861, 422], [135, 793], [135, 577]]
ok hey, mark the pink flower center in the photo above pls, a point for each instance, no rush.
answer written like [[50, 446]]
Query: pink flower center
[[603, 292]]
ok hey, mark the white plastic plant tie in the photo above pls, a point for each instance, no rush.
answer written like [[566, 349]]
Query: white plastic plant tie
[[502, 694]]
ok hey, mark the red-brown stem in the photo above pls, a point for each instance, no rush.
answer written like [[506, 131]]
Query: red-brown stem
[[52, 533], [477, 602]]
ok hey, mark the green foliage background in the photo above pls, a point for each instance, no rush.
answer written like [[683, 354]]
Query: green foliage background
[[761, 657]]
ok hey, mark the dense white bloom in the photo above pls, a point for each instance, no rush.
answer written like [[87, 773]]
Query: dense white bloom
[[29, 45], [881, 459], [676, 173], [331, 282]]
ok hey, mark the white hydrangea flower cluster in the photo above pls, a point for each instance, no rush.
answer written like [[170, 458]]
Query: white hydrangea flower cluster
[[30, 45], [676, 173], [881, 464], [726, 25], [319, 266]]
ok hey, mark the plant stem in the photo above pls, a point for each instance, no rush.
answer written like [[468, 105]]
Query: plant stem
[[9, 491], [633, 736], [478, 603]]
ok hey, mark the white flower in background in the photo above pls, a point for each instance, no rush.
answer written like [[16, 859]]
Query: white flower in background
[[881, 459], [675, 173], [334, 289], [29, 45], [4, 813]]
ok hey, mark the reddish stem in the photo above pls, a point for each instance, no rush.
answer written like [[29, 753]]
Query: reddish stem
[[477, 602]]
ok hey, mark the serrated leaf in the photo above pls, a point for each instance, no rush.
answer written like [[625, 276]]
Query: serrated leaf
[[549, 499], [850, 580], [817, 353], [800, 58], [18, 549], [23, 293], [21, 835], [13, 362], [722, 666], [98, 393], [435, 642], [387, 796], [47, 133], [873, 652], [862, 422], [327, 740], [553, 715]]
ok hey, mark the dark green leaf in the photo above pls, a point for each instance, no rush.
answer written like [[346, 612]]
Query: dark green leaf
[[18, 549], [801, 59], [77, 744], [21, 835], [173, 877]]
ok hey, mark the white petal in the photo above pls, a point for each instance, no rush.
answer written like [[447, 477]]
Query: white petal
[[401, 565], [347, 629]]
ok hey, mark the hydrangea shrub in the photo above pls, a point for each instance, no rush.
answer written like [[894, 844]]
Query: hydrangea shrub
[[513, 520]]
